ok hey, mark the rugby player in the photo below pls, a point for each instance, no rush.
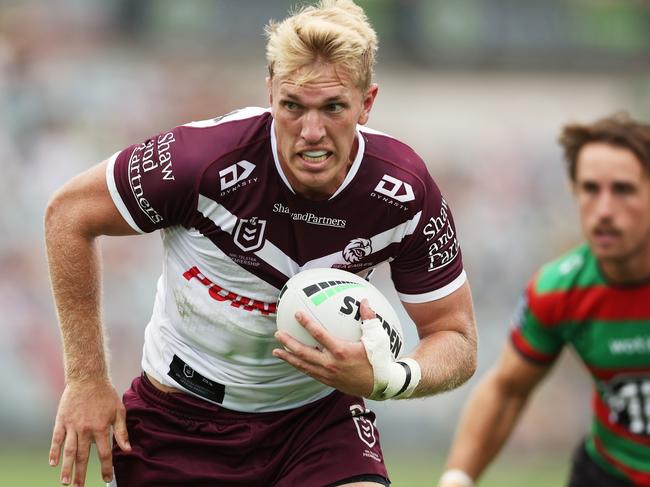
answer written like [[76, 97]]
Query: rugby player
[[594, 299], [243, 202]]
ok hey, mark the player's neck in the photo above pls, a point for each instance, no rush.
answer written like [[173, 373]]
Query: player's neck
[[629, 270]]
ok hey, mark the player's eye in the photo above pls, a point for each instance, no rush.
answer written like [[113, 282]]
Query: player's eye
[[290, 105], [589, 188], [623, 189], [334, 107]]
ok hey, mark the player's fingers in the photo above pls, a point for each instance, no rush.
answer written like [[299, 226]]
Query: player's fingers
[[58, 437], [320, 334], [69, 456], [103, 444], [290, 343], [299, 349], [289, 357], [285, 339], [295, 361], [120, 431], [297, 353], [81, 459], [366, 311], [294, 352]]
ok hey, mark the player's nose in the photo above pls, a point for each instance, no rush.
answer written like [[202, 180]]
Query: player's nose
[[312, 129], [605, 205]]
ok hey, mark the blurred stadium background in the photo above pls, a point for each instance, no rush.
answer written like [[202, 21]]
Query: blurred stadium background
[[480, 88]]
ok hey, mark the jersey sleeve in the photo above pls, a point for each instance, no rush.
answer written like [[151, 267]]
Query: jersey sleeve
[[536, 340], [429, 265], [155, 184]]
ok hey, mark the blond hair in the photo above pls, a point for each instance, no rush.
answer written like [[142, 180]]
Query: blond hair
[[334, 31]]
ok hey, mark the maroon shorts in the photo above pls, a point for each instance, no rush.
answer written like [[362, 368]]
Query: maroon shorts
[[181, 440]]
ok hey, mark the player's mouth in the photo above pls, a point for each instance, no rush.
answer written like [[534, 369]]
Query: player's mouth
[[314, 157], [606, 235]]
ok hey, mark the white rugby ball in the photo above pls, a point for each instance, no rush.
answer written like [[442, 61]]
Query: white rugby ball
[[332, 298]]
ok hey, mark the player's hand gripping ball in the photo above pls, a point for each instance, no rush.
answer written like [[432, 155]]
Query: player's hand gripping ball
[[332, 298]]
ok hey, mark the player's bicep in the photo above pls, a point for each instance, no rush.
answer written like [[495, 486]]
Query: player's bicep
[[84, 204], [454, 312]]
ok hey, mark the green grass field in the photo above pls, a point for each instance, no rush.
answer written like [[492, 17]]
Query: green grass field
[[23, 467], [538, 471]]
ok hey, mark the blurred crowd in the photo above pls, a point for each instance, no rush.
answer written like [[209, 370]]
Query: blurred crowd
[[81, 80]]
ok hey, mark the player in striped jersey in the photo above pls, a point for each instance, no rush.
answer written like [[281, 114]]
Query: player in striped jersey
[[596, 300], [243, 202]]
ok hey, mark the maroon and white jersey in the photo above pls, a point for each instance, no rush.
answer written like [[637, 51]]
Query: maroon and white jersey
[[234, 232]]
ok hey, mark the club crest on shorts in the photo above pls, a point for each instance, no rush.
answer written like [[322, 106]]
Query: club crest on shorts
[[249, 234], [365, 427]]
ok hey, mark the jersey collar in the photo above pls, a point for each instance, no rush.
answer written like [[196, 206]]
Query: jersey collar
[[348, 178]]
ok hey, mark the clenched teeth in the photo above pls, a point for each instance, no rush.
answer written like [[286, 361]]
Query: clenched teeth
[[315, 155]]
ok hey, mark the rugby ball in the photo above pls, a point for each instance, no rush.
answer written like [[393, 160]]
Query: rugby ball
[[332, 298]]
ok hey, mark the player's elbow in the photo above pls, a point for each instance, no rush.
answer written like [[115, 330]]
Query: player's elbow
[[53, 210], [467, 362], [56, 206], [470, 339], [470, 362], [60, 213], [509, 385]]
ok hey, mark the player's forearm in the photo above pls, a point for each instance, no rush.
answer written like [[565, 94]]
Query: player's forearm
[[74, 274], [447, 359], [486, 424]]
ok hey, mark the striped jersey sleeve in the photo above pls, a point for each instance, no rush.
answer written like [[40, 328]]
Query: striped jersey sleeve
[[532, 334]]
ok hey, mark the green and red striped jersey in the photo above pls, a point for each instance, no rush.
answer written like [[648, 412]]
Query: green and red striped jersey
[[569, 302]]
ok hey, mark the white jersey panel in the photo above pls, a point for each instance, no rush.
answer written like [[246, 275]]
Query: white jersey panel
[[209, 322]]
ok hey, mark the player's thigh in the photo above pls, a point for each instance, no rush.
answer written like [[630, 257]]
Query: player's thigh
[[335, 442]]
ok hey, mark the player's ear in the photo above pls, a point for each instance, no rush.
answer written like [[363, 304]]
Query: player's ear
[[368, 101], [269, 88], [572, 187]]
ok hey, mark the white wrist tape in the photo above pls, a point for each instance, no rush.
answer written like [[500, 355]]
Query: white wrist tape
[[392, 379], [456, 476]]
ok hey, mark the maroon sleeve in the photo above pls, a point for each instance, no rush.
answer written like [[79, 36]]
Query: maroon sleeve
[[429, 265], [155, 184]]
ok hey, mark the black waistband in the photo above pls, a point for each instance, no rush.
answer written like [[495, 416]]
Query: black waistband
[[191, 380]]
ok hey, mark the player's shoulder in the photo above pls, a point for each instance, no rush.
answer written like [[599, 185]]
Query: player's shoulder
[[392, 155], [234, 129], [195, 145], [244, 116], [395, 169], [575, 268]]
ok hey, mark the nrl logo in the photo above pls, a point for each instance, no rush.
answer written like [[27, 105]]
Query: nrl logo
[[357, 249], [365, 428], [188, 371], [249, 234]]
